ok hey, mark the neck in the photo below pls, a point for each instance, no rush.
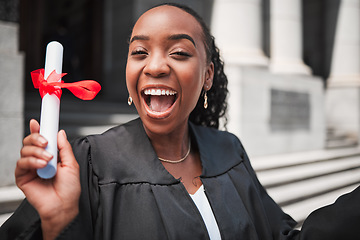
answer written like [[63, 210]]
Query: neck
[[173, 145]]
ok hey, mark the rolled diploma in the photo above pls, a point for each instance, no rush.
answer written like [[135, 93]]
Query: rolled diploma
[[50, 107]]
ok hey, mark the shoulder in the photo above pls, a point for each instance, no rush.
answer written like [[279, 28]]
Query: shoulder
[[340, 220], [123, 154], [106, 151], [220, 151], [112, 136], [216, 138]]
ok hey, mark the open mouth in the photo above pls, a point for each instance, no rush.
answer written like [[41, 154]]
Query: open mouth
[[159, 100]]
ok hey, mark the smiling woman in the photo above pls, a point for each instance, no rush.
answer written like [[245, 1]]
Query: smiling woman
[[171, 174], [167, 69], [166, 52]]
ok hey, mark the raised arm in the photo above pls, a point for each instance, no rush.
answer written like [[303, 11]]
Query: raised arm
[[56, 200]]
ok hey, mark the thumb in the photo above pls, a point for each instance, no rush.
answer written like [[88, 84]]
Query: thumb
[[34, 126], [66, 154]]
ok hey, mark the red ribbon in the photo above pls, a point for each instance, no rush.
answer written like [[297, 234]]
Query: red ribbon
[[85, 90]]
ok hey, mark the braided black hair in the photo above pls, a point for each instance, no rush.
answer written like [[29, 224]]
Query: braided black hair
[[217, 104]]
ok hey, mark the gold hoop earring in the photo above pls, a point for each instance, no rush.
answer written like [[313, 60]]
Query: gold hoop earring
[[206, 101], [130, 101]]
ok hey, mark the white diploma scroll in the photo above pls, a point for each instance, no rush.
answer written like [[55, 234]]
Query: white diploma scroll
[[50, 107]]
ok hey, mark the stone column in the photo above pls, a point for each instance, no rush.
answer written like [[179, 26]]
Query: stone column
[[345, 66], [237, 27], [343, 93], [258, 86], [286, 37], [11, 101]]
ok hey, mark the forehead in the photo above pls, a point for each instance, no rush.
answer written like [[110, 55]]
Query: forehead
[[170, 19]]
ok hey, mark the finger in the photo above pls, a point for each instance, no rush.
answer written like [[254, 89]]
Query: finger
[[34, 126], [27, 163], [25, 170], [65, 150], [35, 139], [24, 167], [37, 152]]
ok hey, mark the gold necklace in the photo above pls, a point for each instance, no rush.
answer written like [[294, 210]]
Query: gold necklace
[[180, 160]]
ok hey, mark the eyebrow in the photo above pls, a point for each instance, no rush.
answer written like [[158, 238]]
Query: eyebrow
[[139, 37], [172, 37], [182, 36]]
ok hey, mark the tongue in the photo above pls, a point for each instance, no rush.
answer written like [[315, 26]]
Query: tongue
[[161, 103]]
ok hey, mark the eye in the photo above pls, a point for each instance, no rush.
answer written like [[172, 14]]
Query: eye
[[139, 52], [180, 54]]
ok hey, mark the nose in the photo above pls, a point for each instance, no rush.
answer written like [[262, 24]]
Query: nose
[[157, 65]]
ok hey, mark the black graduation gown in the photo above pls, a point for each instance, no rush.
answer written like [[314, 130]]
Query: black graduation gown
[[128, 194]]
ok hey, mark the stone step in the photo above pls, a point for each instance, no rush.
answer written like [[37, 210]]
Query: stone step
[[300, 210], [266, 163], [95, 119], [336, 139], [10, 196], [10, 199], [80, 118], [4, 217], [305, 181], [88, 119], [82, 123], [305, 189], [341, 143], [296, 173]]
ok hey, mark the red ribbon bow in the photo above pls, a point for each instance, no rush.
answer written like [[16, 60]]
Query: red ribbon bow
[[85, 90]]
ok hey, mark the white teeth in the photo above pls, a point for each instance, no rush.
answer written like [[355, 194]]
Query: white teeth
[[159, 92]]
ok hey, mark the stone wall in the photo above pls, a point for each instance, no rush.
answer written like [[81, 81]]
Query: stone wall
[[11, 101], [276, 104], [277, 113]]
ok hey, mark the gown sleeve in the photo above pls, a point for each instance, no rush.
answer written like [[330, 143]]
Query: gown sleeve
[[84, 225], [340, 220], [281, 224], [25, 223]]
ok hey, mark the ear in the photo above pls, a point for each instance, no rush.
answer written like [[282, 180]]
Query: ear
[[209, 76]]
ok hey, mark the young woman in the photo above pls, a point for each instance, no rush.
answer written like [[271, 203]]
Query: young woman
[[169, 174]]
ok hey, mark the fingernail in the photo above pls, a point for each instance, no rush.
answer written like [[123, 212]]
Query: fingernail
[[64, 133], [47, 155], [42, 140], [41, 162]]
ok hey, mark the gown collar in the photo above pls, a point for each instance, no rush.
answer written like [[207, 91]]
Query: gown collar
[[127, 155], [219, 150], [218, 153]]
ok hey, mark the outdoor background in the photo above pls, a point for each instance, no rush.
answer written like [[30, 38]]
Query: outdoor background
[[294, 79]]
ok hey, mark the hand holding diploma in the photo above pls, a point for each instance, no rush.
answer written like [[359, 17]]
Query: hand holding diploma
[[52, 185], [56, 200]]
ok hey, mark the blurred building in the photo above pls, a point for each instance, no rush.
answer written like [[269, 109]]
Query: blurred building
[[293, 68], [11, 91]]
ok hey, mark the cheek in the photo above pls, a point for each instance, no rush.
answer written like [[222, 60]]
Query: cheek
[[191, 75], [131, 79], [192, 84]]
